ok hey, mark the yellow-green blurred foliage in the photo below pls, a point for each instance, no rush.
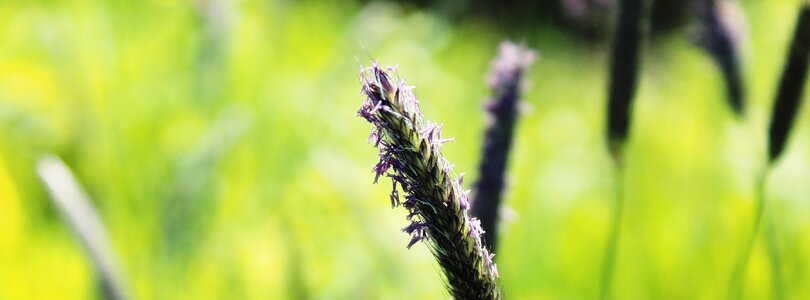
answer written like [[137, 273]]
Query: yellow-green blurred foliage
[[219, 142]]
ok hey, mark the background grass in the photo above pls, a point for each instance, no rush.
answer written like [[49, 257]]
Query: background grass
[[220, 145]]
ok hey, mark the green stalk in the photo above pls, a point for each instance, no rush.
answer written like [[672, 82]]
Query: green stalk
[[735, 288], [611, 248], [775, 256]]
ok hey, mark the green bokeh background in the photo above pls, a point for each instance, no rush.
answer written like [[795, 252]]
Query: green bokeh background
[[220, 146]]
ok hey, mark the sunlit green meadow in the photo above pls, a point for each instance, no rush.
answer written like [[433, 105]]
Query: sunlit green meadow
[[219, 143]]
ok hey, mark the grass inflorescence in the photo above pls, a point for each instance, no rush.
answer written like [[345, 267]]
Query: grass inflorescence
[[410, 154]]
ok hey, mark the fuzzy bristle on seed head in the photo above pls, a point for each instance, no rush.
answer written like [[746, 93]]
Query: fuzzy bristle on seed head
[[410, 154]]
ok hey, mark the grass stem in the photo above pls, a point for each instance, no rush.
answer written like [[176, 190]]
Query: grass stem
[[761, 215], [612, 245]]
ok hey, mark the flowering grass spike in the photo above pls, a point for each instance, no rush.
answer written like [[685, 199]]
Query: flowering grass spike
[[410, 154], [791, 86]]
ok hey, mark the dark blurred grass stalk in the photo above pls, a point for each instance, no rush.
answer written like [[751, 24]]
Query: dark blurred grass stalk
[[505, 78], [624, 65], [785, 107], [791, 86]]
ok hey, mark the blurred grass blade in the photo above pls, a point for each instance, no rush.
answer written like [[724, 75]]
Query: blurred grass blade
[[215, 18], [735, 284], [774, 255], [508, 70], [192, 196], [791, 86], [612, 244], [721, 27], [77, 210]]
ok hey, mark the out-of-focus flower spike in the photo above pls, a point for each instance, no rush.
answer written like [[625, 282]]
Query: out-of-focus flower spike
[[721, 35], [791, 86], [505, 80]]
